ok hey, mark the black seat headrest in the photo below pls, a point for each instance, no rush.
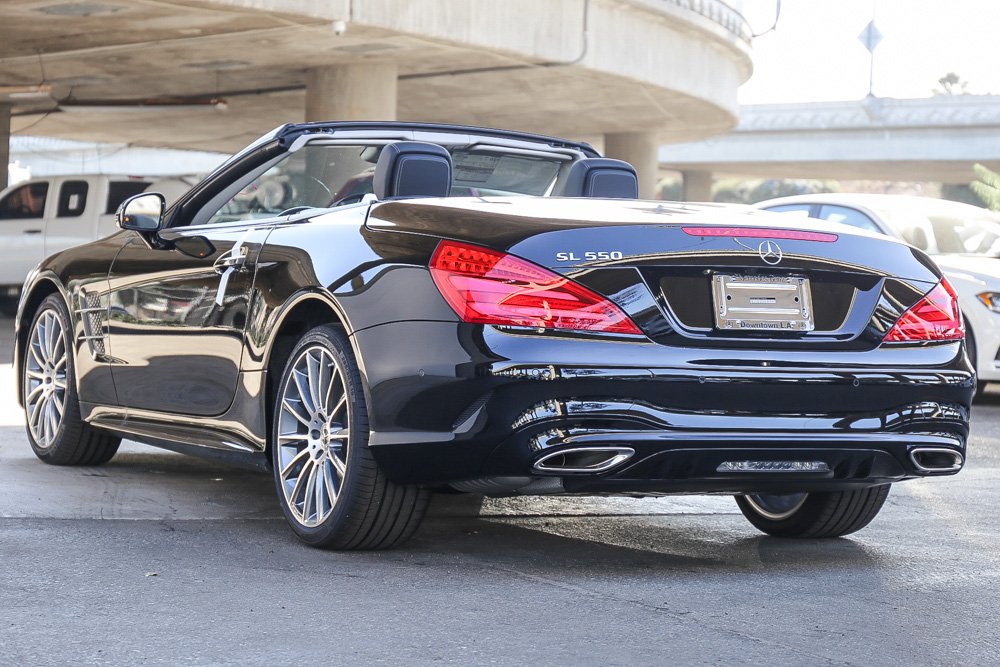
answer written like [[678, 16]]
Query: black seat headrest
[[602, 177], [412, 169]]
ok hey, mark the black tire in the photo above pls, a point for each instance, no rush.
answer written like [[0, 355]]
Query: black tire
[[75, 442], [830, 514], [370, 511], [970, 348]]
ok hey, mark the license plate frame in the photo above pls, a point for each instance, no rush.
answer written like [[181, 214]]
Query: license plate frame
[[762, 303]]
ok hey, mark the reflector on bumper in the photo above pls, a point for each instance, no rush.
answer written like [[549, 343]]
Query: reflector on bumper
[[773, 466]]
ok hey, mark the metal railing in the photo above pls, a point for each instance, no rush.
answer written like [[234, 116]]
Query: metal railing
[[718, 12]]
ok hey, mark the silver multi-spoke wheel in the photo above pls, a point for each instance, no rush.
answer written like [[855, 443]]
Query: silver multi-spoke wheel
[[46, 379], [313, 434], [56, 431], [332, 490]]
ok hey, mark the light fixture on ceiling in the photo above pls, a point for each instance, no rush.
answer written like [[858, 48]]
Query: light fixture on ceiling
[[147, 105], [32, 93], [224, 64], [366, 47], [80, 9]]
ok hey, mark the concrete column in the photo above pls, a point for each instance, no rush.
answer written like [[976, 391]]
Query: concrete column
[[697, 185], [4, 144], [640, 149], [359, 91]]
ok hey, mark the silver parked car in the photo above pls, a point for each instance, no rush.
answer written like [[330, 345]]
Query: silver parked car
[[964, 241]]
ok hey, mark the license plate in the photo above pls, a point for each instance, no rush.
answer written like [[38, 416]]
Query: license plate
[[762, 303]]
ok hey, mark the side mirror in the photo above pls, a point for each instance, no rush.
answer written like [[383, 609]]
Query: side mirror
[[142, 213], [194, 246]]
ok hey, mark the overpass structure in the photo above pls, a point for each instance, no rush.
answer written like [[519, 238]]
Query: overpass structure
[[933, 139], [626, 75]]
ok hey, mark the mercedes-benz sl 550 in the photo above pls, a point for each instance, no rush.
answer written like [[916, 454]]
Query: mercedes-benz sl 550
[[374, 311]]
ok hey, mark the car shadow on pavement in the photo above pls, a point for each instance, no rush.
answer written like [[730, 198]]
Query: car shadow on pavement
[[143, 483], [635, 546]]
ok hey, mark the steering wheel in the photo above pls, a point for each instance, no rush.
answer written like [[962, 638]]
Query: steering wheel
[[293, 210], [349, 199], [320, 184]]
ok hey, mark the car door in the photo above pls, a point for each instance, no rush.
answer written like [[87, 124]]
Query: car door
[[177, 321], [22, 230], [177, 317]]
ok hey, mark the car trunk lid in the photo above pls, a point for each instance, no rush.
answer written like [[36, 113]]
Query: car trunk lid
[[690, 272]]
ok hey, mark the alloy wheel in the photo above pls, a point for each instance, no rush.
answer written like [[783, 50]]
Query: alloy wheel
[[313, 435], [45, 385]]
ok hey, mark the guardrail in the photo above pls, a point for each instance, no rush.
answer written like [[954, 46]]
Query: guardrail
[[718, 12]]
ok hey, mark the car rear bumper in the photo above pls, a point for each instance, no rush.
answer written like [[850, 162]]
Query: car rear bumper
[[479, 408]]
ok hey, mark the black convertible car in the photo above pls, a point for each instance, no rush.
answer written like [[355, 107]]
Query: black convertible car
[[378, 310]]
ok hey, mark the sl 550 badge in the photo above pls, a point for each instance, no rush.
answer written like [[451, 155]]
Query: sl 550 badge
[[589, 256]]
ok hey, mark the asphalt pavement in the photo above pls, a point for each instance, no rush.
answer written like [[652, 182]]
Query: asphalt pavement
[[158, 558]]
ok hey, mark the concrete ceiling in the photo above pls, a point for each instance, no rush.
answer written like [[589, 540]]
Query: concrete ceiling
[[96, 61]]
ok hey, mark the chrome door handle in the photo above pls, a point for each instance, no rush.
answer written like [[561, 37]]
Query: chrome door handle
[[235, 259]]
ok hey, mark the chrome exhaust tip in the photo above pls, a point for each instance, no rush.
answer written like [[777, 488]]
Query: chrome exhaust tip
[[583, 459], [936, 459]]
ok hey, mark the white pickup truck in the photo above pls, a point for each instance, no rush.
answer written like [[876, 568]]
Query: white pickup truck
[[42, 216]]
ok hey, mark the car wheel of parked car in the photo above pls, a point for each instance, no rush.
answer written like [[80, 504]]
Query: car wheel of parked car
[[828, 514], [332, 491], [970, 348], [52, 410]]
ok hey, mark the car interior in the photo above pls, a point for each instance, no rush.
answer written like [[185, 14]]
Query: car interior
[[326, 175]]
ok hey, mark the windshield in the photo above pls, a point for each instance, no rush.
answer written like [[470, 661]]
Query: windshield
[[325, 175], [942, 227]]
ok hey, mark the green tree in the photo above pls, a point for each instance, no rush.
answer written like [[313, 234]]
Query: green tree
[[987, 186], [951, 84]]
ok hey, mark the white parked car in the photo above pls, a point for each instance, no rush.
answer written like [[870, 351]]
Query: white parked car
[[964, 240], [42, 216]]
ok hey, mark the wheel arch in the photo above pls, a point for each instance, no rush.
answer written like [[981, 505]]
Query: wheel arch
[[301, 313], [41, 288], [972, 350]]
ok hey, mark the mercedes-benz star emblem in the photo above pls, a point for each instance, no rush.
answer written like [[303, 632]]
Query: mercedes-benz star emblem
[[770, 252]]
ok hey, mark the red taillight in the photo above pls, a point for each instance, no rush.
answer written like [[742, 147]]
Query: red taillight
[[759, 233], [935, 317], [489, 287]]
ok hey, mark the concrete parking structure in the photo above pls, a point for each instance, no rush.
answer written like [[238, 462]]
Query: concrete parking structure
[[637, 72], [931, 139]]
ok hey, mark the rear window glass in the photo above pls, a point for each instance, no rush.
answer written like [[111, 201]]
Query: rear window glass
[[72, 199], [119, 191]]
